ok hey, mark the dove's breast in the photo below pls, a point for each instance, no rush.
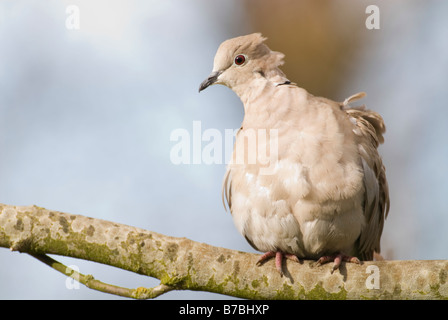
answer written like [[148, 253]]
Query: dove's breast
[[305, 194], [261, 216], [279, 212]]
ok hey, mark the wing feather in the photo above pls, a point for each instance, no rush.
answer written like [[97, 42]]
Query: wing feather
[[369, 130]]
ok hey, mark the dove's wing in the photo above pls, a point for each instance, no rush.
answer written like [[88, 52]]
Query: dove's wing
[[369, 129]]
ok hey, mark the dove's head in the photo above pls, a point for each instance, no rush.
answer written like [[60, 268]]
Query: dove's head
[[240, 60]]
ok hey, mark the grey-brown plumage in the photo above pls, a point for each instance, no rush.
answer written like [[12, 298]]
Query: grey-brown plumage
[[306, 179]]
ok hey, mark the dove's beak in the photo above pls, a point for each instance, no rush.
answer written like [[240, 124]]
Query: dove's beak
[[212, 78]]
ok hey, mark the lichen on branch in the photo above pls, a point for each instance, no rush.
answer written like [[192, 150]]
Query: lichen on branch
[[183, 264]]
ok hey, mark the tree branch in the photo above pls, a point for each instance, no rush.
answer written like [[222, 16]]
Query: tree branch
[[183, 264]]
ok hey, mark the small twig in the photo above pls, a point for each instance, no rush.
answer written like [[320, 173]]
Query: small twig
[[90, 282]]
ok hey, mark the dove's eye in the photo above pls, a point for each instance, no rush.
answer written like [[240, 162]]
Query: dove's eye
[[240, 59]]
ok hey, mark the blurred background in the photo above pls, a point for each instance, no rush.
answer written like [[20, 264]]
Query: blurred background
[[86, 115]]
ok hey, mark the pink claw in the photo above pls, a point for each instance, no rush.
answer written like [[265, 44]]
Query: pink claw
[[337, 259], [278, 259]]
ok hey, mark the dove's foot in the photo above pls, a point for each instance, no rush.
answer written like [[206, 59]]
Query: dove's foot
[[278, 259], [337, 259]]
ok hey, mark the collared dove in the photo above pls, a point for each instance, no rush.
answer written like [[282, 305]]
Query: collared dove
[[325, 196]]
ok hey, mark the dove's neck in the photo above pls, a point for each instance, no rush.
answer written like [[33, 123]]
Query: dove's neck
[[257, 84], [268, 101]]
